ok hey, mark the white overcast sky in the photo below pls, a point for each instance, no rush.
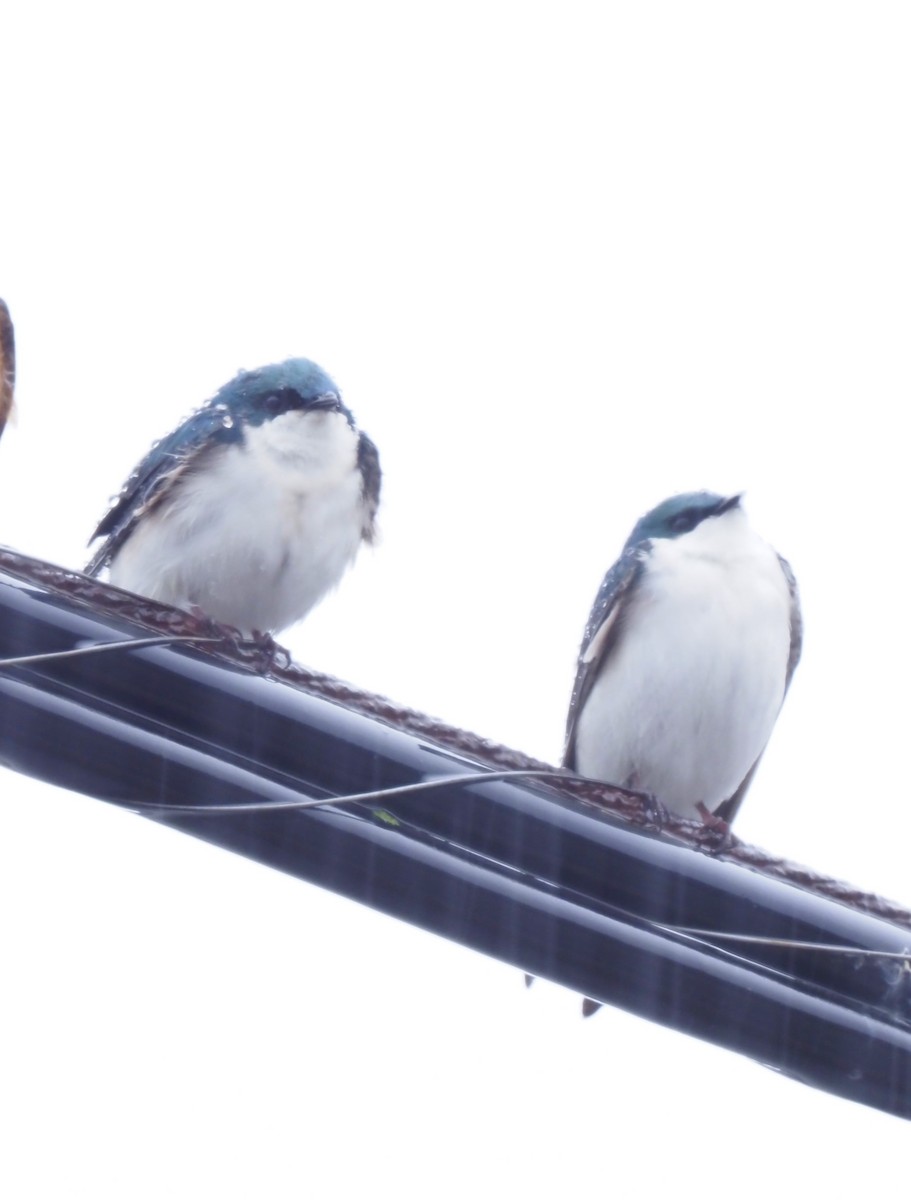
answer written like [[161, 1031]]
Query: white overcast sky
[[563, 260]]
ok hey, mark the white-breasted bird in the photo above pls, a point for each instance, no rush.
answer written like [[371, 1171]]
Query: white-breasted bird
[[687, 655], [686, 659], [252, 509]]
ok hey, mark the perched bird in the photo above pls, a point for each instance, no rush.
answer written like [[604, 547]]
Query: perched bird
[[686, 659], [7, 365], [251, 510]]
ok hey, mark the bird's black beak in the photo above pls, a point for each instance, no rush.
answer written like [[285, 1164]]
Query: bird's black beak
[[328, 402], [728, 503]]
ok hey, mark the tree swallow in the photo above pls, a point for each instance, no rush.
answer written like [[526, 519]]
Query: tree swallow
[[686, 659], [7, 365], [685, 662], [252, 509]]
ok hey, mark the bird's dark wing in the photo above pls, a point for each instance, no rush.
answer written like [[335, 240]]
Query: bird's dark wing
[[210, 427], [7, 364], [796, 622], [368, 460], [729, 808], [600, 636]]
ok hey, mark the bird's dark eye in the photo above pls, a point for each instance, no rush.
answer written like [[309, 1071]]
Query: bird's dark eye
[[274, 402], [683, 522]]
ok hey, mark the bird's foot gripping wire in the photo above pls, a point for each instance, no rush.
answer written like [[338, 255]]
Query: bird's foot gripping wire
[[716, 832]]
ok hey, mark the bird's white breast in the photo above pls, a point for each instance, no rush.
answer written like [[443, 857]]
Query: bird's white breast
[[687, 697], [261, 531]]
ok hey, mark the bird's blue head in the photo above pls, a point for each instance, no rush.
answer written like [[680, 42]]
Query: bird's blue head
[[680, 514], [255, 397]]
